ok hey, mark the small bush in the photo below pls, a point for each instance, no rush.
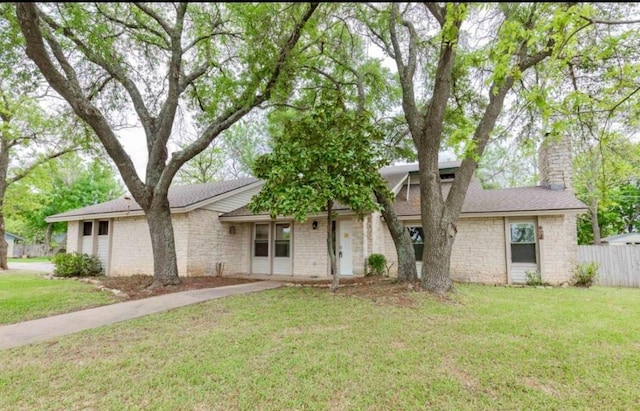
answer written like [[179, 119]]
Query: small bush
[[76, 265], [377, 264], [535, 278], [585, 275]]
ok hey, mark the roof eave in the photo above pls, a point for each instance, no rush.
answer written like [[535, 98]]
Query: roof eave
[[520, 213], [138, 213], [222, 196], [266, 217]]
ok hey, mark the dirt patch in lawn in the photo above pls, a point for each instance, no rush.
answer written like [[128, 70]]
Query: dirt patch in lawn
[[378, 289], [137, 286]]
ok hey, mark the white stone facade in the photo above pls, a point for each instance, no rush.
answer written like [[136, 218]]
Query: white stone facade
[[479, 252], [202, 240]]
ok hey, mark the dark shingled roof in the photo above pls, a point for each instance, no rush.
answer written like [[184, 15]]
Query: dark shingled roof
[[503, 200], [179, 197], [477, 200]]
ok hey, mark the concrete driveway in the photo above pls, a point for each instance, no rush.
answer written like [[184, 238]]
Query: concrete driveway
[[42, 267]]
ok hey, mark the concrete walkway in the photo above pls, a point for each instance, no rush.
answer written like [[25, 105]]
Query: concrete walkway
[[43, 267], [15, 335]]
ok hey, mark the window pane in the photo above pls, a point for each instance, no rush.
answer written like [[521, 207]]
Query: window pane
[[283, 232], [523, 253], [262, 231], [261, 249], [419, 249], [103, 228], [416, 234], [282, 248], [417, 237], [86, 228], [523, 233]]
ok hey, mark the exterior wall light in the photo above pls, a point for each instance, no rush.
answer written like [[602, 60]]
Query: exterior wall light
[[232, 229], [314, 225]]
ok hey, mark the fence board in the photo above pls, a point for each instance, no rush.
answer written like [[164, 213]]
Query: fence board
[[618, 265], [31, 250]]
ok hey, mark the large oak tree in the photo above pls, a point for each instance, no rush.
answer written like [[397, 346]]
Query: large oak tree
[[456, 65], [148, 61]]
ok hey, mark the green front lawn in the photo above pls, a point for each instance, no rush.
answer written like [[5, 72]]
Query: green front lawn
[[29, 260], [303, 348], [26, 296]]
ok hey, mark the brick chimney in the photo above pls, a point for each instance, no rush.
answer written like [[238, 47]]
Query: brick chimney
[[555, 163]]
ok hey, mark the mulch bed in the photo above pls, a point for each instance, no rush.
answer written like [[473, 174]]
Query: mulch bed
[[137, 286]]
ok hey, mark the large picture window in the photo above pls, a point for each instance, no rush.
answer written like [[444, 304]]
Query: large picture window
[[523, 243], [283, 240], [417, 238], [261, 241]]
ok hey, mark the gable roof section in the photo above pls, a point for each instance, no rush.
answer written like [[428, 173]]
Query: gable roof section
[[181, 199], [479, 202]]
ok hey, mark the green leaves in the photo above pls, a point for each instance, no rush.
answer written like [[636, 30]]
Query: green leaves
[[324, 154]]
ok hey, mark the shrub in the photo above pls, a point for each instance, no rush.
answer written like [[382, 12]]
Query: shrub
[[535, 278], [585, 274], [377, 264], [76, 265]]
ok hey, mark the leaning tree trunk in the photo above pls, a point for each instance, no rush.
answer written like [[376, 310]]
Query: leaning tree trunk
[[594, 222], [4, 247], [330, 248], [47, 239], [165, 265], [407, 271]]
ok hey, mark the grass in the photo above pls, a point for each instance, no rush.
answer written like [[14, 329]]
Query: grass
[[303, 348], [29, 260], [26, 296]]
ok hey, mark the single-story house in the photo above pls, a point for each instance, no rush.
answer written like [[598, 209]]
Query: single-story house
[[502, 234], [11, 239], [622, 239]]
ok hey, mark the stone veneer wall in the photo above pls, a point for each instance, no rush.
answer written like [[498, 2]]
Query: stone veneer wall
[[559, 248], [359, 243], [554, 162], [310, 248], [479, 251], [131, 246], [209, 242], [73, 236]]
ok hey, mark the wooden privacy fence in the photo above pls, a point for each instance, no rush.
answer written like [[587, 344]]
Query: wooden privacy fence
[[31, 250], [618, 265]]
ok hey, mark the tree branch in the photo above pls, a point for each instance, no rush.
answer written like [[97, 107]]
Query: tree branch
[[437, 12], [242, 107], [23, 173]]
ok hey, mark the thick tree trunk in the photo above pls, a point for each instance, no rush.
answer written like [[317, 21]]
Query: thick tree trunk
[[165, 265], [436, 259], [594, 223], [4, 247], [330, 248], [47, 239], [407, 271], [4, 168]]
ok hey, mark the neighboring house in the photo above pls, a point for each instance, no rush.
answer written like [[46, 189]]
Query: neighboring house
[[502, 234], [622, 239], [11, 239]]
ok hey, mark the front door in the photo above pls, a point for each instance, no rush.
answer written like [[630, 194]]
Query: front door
[[345, 253], [523, 250]]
